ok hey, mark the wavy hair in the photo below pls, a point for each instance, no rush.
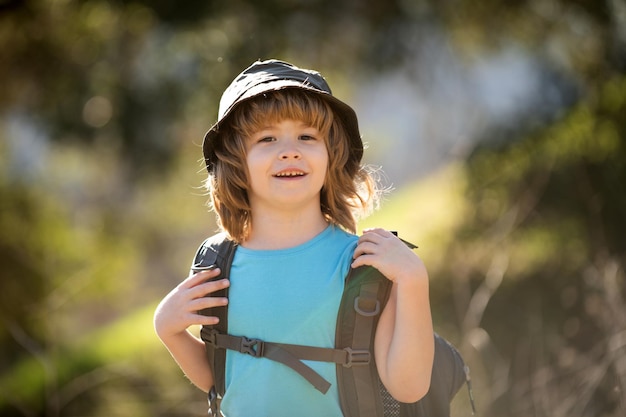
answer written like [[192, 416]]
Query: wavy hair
[[349, 191]]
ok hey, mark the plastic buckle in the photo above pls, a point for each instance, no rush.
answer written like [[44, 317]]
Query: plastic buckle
[[252, 347], [366, 313], [357, 357], [209, 335]]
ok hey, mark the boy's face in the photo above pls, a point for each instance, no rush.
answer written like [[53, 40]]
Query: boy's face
[[287, 163]]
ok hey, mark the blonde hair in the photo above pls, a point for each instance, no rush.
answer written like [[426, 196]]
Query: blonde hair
[[349, 191]]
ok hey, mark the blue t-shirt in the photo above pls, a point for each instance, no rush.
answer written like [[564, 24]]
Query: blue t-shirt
[[285, 296]]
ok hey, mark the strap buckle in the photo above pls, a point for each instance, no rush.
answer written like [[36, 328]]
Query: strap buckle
[[209, 335], [252, 347], [364, 307], [357, 357]]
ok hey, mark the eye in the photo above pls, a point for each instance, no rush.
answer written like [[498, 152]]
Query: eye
[[309, 133], [266, 139]]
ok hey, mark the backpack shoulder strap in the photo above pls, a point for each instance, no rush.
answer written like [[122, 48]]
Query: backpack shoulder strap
[[365, 294], [218, 251]]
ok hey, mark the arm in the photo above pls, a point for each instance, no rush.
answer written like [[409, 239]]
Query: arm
[[404, 341], [179, 310]]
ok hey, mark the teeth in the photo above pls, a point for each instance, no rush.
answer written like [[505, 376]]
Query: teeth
[[290, 174]]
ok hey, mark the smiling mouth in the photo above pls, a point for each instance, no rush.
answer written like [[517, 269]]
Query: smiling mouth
[[289, 174]]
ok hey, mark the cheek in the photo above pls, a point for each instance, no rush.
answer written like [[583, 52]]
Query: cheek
[[254, 161], [324, 156], [254, 169], [324, 160]]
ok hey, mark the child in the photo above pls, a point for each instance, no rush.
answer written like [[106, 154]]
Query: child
[[286, 182]]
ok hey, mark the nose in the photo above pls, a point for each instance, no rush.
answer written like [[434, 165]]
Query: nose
[[290, 151]]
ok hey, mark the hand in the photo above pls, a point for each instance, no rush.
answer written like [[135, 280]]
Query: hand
[[180, 308], [384, 251]]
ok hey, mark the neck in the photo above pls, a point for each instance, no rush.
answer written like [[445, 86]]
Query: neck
[[278, 231]]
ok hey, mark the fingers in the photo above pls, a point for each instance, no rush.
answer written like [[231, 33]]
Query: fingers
[[368, 246], [363, 260], [192, 310], [199, 287], [377, 232], [207, 302], [378, 237], [203, 283], [384, 251], [202, 301], [375, 241], [195, 293], [194, 279], [204, 289]]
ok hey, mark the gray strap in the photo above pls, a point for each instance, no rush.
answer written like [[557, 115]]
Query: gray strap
[[289, 355], [367, 308]]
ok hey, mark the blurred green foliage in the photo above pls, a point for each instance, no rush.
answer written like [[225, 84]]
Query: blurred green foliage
[[101, 113], [551, 205]]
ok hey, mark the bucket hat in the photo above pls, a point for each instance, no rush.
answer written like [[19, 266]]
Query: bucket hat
[[273, 75]]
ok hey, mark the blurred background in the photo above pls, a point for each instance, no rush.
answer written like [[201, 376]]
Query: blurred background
[[499, 124]]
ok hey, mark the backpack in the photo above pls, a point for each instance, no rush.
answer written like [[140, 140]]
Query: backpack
[[361, 393]]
